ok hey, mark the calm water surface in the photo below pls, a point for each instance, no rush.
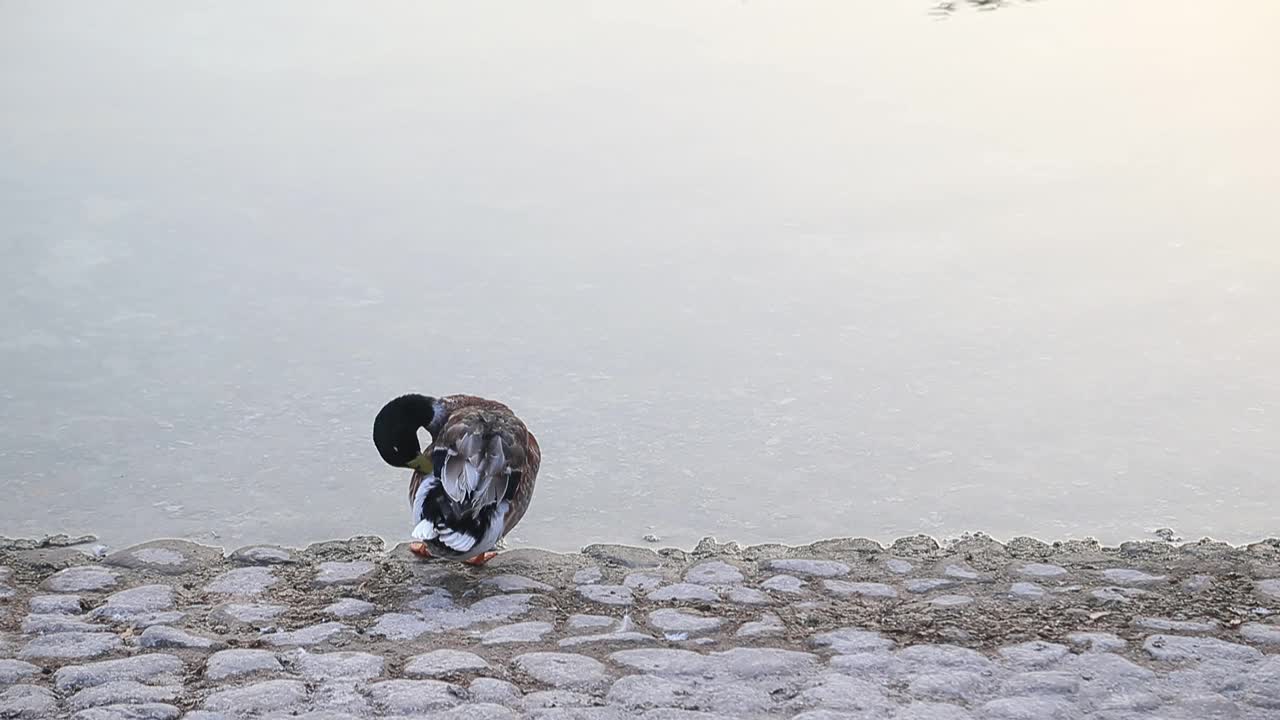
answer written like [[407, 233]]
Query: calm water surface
[[758, 270]]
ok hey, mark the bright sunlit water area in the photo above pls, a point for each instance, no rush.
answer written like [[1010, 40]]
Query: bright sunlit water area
[[764, 271]]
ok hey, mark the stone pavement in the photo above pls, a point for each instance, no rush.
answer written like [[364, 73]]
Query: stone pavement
[[974, 630]]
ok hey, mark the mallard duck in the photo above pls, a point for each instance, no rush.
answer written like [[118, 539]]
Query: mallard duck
[[472, 484]]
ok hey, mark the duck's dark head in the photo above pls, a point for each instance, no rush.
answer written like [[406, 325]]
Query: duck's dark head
[[395, 431]]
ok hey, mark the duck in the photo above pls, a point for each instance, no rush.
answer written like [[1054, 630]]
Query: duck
[[472, 484]]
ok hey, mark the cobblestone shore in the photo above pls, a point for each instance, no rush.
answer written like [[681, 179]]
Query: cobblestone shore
[[838, 629]]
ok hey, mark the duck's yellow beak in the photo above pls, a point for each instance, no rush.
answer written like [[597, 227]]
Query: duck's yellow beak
[[422, 464]]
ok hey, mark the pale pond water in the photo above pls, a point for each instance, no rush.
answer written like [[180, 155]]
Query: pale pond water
[[757, 270]]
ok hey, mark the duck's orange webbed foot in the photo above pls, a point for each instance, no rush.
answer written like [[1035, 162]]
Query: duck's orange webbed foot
[[420, 549], [481, 559]]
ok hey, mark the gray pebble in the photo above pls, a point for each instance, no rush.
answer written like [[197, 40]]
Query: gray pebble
[[1181, 626], [515, 583], [960, 572], [898, 567], [819, 568], [1270, 587], [11, 671], [768, 624], [257, 699], [587, 576], [1260, 634], [343, 573], [680, 621], [161, 636], [151, 668], [27, 702], [1042, 570], [687, 592], [236, 663], [243, 582], [143, 711], [491, 690], [861, 589], [851, 640], [784, 583], [1034, 654], [123, 692], [642, 581], [349, 608], [1129, 576], [70, 645], [589, 622], [56, 604], [413, 697], [1176, 648], [518, 633], [563, 670], [1097, 641], [262, 555], [41, 624], [135, 602], [748, 596], [439, 663], [1027, 591], [335, 665], [948, 601], [606, 594], [80, 578], [248, 613], [614, 638], [714, 572], [924, 585], [310, 635]]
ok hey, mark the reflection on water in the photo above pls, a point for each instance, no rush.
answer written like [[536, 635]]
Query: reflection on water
[[749, 270]]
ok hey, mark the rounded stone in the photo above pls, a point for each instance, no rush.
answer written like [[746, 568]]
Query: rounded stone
[[161, 636], [606, 594], [862, 589], [1097, 641], [898, 567], [438, 663], [515, 583], [1034, 654], [70, 645], [56, 604], [167, 557], [349, 608], [587, 576], [1129, 576], [1042, 570], [714, 572], [748, 596], [123, 692], [263, 555], [11, 671], [924, 585], [352, 572], [80, 578], [949, 601], [27, 702], [245, 581], [1270, 588], [336, 665], [1176, 648], [1260, 634], [236, 663], [818, 568], [680, 621], [310, 635], [642, 581], [851, 640], [257, 699], [784, 583], [1027, 591], [589, 622], [687, 592], [563, 670], [415, 697], [517, 633], [135, 602], [150, 668]]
